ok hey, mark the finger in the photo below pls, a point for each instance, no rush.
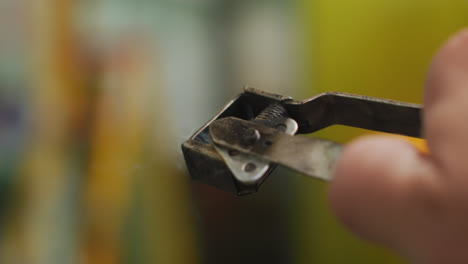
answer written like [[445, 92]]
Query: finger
[[446, 107], [377, 184]]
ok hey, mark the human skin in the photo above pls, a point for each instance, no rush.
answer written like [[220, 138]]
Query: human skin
[[389, 193]]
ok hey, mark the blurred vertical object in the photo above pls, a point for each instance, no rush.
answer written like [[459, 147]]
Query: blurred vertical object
[[13, 85], [50, 170], [136, 201], [377, 48], [13, 89]]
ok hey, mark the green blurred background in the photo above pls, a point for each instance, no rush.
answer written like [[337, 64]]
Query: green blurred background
[[97, 96]]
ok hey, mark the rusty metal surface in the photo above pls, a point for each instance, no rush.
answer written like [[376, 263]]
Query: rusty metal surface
[[377, 114], [310, 156], [244, 166], [206, 165]]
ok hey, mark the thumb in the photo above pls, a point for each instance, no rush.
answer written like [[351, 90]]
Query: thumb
[[381, 186], [388, 192]]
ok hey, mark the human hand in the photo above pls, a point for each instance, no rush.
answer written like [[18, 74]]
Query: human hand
[[388, 192]]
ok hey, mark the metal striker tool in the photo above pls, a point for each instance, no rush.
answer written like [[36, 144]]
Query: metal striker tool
[[242, 144]]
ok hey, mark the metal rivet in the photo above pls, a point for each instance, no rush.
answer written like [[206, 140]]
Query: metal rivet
[[252, 136], [249, 167]]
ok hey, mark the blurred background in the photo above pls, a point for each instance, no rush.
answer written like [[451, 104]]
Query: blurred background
[[97, 96]]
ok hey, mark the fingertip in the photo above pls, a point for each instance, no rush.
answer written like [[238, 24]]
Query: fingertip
[[369, 182], [458, 40], [445, 99], [448, 68]]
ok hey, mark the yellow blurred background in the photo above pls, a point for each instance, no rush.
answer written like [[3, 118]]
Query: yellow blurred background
[[97, 96]]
